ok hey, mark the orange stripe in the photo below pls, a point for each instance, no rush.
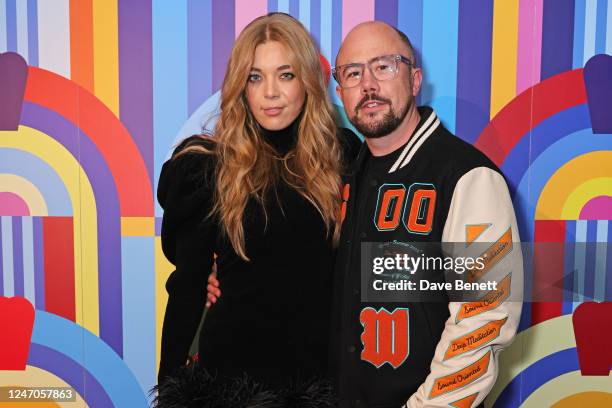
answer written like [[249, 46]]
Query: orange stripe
[[461, 378], [475, 339], [489, 301], [81, 43], [465, 402], [492, 256]]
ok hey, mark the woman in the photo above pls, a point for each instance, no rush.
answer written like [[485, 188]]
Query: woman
[[263, 195]]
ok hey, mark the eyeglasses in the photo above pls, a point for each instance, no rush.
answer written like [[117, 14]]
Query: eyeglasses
[[383, 68]]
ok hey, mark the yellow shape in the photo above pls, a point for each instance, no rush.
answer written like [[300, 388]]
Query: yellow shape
[[106, 53], [586, 399], [567, 179], [85, 224], [137, 226], [532, 345], [473, 231], [37, 377], [572, 390], [25, 189], [581, 195], [163, 268], [504, 53]]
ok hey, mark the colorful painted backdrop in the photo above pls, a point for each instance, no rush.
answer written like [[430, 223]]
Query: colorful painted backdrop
[[94, 94]]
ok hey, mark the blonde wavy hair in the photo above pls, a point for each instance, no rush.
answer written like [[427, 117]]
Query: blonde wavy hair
[[247, 166]]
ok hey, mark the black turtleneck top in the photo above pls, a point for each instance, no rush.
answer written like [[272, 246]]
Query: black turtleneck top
[[272, 320]]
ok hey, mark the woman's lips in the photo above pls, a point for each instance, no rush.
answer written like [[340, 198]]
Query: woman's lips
[[273, 111]]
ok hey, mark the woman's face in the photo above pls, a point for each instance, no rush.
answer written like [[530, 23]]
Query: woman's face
[[274, 94]]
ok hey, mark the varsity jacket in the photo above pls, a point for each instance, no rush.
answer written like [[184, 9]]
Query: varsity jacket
[[436, 188]]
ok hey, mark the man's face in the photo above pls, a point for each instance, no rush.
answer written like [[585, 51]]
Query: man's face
[[376, 108]]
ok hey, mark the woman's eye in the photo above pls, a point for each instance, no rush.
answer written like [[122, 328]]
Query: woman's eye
[[254, 77], [287, 75]]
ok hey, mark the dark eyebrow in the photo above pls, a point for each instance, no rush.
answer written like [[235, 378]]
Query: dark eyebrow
[[281, 68]]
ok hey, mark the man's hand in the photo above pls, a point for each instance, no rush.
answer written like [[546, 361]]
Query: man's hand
[[213, 291]]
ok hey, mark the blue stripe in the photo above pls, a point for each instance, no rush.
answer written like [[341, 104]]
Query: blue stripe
[[294, 8], [609, 32], [557, 37], [590, 25], [3, 27], [387, 11], [579, 16], [440, 31], [11, 25], [305, 13], [28, 259], [33, 32], [7, 256], [22, 29], [600, 36], [315, 22], [138, 283], [336, 42], [533, 377], [283, 6], [579, 260], [272, 5], [600, 260], [410, 22], [169, 77], [18, 256], [568, 281], [589, 267], [199, 37], [326, 34], [474, 68], [39, 264]]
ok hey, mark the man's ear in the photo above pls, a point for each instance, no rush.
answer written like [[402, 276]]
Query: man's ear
[[417, 79], [339, 92]]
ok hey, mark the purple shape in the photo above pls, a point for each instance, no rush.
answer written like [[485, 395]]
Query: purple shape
[[598, 83], [199, 50], [12, 204], [77, 376], [136, 75], [39, 264], [557, 37], [386, 11], [474, 68], [18, 256], [223, 39], [598, 208], [158, 224], [13, 76], [83, 149]]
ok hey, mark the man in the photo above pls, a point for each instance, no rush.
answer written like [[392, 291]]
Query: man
[[413, 181]]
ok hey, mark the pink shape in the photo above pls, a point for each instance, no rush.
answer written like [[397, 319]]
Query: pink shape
[[12, 204], [353, 14], [598, 208], [247, 11], [529, 44]]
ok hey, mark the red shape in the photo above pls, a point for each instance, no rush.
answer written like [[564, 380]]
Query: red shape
[[593, 331], [326, 68], [17, 320], [58, 241], [104, 129], [548, 270], [528, 110]]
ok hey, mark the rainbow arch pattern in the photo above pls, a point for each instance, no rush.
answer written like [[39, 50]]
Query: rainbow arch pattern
[[98, 117]]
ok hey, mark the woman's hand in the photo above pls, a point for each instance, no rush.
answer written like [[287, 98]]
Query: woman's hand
[[213, 291]]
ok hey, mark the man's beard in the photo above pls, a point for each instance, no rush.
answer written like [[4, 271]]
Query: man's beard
[[383, 127]]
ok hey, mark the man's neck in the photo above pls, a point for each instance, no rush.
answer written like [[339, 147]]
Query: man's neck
[[382, 146]]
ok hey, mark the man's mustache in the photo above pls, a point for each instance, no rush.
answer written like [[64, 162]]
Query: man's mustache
[[371, 97]]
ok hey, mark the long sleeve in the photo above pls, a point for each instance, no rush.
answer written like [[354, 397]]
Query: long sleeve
[[188, 239], [465, 364]]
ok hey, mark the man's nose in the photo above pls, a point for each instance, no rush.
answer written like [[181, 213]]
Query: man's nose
[[369, 83]]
